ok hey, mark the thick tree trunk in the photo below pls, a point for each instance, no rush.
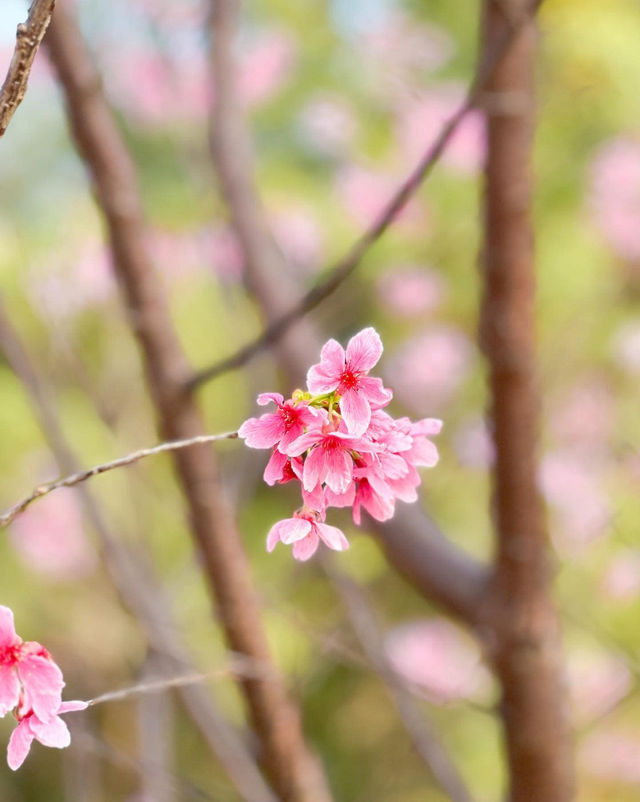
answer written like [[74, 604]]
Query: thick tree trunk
[[522, 628]]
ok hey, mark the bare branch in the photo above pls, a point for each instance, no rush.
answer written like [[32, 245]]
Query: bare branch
[[423, 737], [521, 622], [28, 38], [81, 476], [438, 569], [342, 269]]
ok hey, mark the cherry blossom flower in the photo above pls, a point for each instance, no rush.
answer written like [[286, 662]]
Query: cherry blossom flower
[[277, 428], [27, 671], [347, 374], [340, 445], [51, 732], [410, 291], [305, 532]]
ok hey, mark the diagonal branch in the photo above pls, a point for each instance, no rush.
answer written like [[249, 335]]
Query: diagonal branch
[[342, 269], [423, 737], [81, 476], [28, 37], [294, 770]]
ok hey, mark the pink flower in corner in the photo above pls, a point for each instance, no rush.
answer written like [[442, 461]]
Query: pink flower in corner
[[53, 732], [27, 673], [346, 374], [279, 428], [305, 532]]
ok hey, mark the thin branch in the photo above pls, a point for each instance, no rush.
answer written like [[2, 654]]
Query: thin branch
[[28, 37], [423, 737], [81, 476], [342, 269]]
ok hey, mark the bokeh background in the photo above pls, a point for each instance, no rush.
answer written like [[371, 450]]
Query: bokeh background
[[342, 98]]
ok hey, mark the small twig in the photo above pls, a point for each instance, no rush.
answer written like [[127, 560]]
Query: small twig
[[28, 37], [129, 459], [238, 666], [342, 269]]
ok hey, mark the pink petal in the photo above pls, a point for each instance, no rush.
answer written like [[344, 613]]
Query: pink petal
[[50, 733], [340, 470], [262, 432], [42, 682], [325, 376], [427, 426], [315, 469], [296, 529], [374, 391], [302, 443], [423, 453], [8, 635], [72, 705], [356, 412], [266, 398], [314, 499], [364, 350], [19, 745], [340, 499], [274, 470], [333, 537], [9, 689], [306, 548]]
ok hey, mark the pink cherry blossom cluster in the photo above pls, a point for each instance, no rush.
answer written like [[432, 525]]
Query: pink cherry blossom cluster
[[337, 441], [30, 686]]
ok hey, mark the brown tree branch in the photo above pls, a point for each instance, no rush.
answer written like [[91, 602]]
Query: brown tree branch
[[28, 37], [231, 144], [423, 737], [81, 476], [439, 570], [138, 587], [295, 773], [523, 638]]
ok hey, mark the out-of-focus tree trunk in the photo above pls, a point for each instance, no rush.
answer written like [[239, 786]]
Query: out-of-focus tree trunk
[[522, 628]]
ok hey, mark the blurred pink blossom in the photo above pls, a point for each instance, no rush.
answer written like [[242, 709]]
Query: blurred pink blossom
[[626, 344], [162, 90], [327, 123], [299, 236], [597, 681], [612, 755], [427, 370], [50, 539], [397, 55], [265, 65], [615, 195], [583, 419], [621, 580], [436, 656], [365, 193], [574, 488], [421, 120], [473, 445], [411, 290]]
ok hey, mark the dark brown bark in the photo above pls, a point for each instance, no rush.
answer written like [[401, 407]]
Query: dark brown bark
[[522, 626], [295, 773]]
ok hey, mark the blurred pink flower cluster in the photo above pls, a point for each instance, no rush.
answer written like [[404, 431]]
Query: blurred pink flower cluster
[[30, 686], [615, 195], [337, 441]]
